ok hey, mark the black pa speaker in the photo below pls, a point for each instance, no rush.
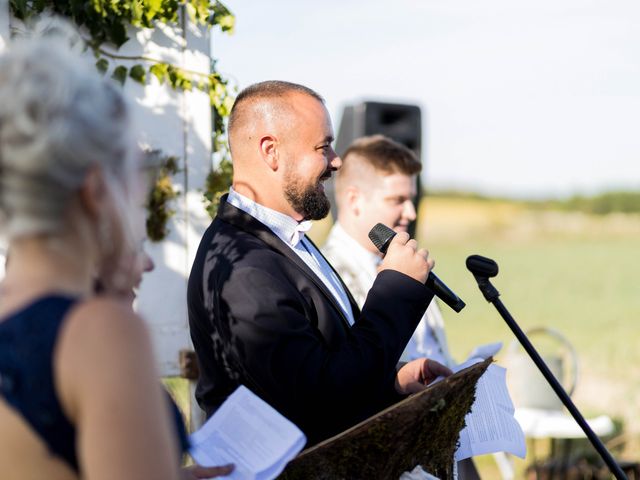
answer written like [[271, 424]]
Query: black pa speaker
[[400, 122]]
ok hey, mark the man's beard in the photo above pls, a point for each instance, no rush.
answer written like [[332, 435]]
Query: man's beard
[[308, 200]]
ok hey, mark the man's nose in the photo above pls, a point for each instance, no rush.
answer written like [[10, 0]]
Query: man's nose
[[409, 211], [335, 162]]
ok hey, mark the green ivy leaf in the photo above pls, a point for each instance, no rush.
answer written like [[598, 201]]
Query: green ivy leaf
[[19, 9], [153, 8], [120, 74], [222, 17], [98, 6], [198, 10], [39, 5], [138, 18], [227, 105], [185, 83], [102, 65], [172, 76], [76, 7], [159, 70], [226, 22], [138, 73], [214, 99], [118, 34]]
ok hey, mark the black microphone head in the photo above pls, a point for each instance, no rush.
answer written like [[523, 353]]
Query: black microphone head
[[381, 236], [482, 266]]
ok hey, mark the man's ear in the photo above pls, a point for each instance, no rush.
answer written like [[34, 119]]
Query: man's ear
[[354, 199], [93, 192], [269, 151]]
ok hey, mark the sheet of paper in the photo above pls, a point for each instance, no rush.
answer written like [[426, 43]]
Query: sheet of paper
[[491, 426], [249, 433], [485, 351]]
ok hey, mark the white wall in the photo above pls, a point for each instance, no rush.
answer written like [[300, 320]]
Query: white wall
[[4, 36], [179, 124], [4, 23]]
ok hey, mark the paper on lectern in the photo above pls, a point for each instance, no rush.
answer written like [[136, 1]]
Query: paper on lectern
[[490, 426]]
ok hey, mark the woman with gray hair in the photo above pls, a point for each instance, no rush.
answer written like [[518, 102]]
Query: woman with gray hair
[[79, 395]]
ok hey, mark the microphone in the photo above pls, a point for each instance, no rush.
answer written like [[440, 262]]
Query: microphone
[[381, 236]]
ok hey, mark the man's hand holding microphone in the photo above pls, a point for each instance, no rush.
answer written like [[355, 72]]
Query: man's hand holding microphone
[[404, 256]]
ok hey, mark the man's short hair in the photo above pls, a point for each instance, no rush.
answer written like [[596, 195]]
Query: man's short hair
[[270, 89], [383, 154]]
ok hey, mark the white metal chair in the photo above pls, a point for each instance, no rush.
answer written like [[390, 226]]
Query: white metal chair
[[538, 409]]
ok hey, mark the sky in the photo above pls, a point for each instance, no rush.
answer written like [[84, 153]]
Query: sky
[[519, 98]]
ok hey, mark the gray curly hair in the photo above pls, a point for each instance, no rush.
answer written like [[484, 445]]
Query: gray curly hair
[[58, 119]]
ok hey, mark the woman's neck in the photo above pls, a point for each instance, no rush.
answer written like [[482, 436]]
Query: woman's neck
[[37, 265]]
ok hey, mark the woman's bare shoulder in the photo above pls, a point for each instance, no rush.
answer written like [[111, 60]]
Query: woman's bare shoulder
[[104, 319], [104, 345]]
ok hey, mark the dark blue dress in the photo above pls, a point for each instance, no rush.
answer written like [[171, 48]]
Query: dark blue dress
[[27, 342]]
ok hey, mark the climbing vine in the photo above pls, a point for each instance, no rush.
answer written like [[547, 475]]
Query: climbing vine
[[106, 26], [160, 196], [217, 183]]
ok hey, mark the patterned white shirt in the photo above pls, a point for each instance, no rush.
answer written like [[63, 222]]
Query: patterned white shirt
[[292, 232], [358, 268]]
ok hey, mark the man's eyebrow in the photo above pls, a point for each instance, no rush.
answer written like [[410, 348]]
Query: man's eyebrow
[[326, 141]]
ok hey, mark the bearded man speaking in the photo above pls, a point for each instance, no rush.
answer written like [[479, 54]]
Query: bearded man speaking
[[266, 309]]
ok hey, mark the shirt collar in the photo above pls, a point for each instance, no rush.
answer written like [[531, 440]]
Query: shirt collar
[[286, 228], [360, 254]]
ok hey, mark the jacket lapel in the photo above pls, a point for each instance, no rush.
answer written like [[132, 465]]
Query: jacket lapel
[[249, 224]]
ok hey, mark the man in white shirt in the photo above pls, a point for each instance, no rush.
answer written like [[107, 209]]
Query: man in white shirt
[[377, 184]]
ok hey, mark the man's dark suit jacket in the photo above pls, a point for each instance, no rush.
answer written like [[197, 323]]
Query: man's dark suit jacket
[[259, 316]]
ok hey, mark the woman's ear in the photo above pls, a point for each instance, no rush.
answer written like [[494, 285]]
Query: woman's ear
[[93, 192], [269, 151]]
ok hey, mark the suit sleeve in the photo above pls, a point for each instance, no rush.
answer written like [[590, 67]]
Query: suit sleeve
[[288, 361]]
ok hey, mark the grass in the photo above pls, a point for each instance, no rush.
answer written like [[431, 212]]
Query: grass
[[583, 289], [573, 272]]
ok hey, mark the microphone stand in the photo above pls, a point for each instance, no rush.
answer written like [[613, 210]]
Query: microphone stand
[[483, 268]]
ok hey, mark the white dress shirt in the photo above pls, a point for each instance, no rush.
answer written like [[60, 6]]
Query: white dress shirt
[[292, 232], [357, 267]]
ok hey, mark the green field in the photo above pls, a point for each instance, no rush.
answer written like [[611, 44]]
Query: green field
[[585, 288], [575, 273]]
